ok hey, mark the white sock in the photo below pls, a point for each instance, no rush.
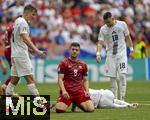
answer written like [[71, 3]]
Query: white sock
[[120, 102], [122, 86], [33, 90], [114, 86], [10, 89]]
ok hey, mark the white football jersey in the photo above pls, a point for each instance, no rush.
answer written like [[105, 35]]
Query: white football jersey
[[18, 47], [95, 96], [114, 37]]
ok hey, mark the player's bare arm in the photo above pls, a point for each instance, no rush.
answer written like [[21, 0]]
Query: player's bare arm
[[130, 44], [62, 87], [86, 86], [31, 46], [4, 67], [99, 48], [30, 51]]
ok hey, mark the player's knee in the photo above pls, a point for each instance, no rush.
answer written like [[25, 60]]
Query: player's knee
[[60, 111], [89, 108], [122, 76]]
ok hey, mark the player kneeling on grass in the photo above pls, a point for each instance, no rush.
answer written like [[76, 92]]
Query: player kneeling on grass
[[73, 83], [105, 99]]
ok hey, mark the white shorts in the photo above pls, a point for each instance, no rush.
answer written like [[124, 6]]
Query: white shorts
[[21, 67], [107, 99], [115, 64]]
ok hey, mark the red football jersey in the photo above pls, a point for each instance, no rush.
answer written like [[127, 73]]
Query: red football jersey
[[73, 75], [8, 34]]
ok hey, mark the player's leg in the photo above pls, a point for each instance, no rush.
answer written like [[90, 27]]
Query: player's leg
[[24, 68], [5, 84], [31, 85], [62, 104], [14, 79], [114, 86], [123, 86], [10, 87], [8, 58], [111, 72], [87, 106], [121, 104], [106, 100], [84, 103], [1, 92], [122, 71]]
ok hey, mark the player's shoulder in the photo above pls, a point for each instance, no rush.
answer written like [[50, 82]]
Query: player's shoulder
[[20, 20], [64, 61], [121, 22], [81, 62], [103, 27]]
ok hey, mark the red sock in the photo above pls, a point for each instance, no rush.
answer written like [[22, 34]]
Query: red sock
[[60, 111], [7, 81]]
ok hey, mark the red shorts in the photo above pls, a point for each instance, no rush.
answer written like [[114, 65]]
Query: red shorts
[[8, 55], [76, 99]]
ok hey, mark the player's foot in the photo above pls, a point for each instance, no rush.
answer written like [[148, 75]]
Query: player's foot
[[51, 106], [9, 109], [133, 105]]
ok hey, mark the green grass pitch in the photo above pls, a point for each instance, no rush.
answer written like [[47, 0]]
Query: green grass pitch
[[137, 91]]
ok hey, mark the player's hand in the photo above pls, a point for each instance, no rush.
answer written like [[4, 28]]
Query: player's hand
[[131, 55], [98, 58], [41, 54], [87, 94], [65, 95], [4, 69]]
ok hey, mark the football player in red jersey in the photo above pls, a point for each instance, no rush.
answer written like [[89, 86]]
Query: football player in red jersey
[[73, 82], [4, 70], [8, 34]]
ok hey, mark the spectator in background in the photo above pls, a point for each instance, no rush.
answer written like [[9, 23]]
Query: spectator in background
[[140, 47], [70, 16]]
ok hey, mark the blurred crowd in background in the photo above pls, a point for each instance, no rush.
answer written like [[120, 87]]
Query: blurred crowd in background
[[60, 22]]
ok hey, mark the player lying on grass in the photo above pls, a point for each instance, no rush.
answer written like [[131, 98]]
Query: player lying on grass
[[105, 99]]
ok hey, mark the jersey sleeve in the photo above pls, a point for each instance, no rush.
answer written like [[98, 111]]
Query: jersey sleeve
[[61, 68], [85, 71], [23, 28], [101, 35], [126, 31]]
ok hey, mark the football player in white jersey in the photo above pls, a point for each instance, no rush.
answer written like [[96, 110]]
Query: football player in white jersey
[[20, 45], [105, 99], [115, 34]]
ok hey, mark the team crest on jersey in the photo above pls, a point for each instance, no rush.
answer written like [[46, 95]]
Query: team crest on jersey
[[69, 66], [80, 67]]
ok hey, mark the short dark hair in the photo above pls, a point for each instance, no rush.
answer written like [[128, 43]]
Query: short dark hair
[[75, 44], [30, 8], [107, 15]]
